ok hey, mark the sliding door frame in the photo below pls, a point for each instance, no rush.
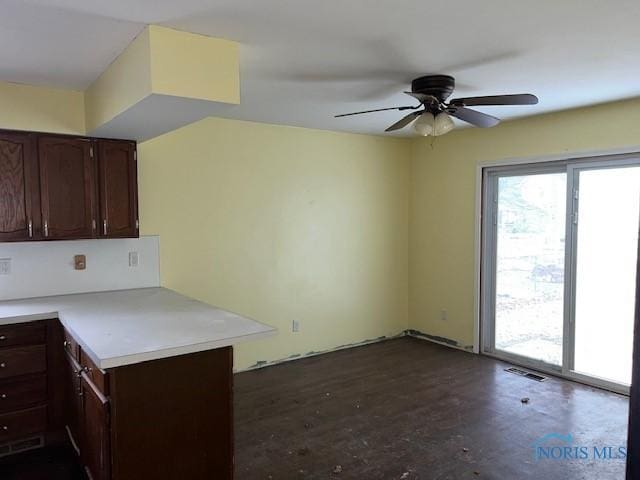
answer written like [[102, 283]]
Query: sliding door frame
[[486, 186]]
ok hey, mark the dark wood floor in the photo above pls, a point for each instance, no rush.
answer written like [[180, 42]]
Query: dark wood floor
[[410, 409], [400, 409]]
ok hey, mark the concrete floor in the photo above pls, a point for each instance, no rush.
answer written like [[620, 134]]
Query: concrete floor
[[410, 409]]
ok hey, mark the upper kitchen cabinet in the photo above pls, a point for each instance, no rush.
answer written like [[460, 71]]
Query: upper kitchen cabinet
[[67, 187], [61, 187], [117, 181], [19, 187]]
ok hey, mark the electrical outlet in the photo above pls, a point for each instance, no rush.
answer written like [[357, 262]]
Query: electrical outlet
[[5, 266], [134, 259], [80, 262], [443, 315], [295, 326]]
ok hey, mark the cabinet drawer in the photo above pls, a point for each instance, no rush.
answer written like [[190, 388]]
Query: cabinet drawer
[[23, 423], [23, 392], [22, 360], [98, 377], [71, 346], [24, 334]]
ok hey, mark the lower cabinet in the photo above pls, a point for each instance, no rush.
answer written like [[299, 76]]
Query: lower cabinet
[[96, 428], [73, 401], [166, 419]]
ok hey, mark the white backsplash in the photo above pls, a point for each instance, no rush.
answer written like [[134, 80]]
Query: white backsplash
[[46, 268]]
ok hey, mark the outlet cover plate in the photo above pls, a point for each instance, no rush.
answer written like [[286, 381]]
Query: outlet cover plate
[[5, 266]]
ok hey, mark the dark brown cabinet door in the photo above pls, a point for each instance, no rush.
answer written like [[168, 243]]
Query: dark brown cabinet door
[[19, 189], [117, 177], [95, 454], [67, 187], [73, 401]]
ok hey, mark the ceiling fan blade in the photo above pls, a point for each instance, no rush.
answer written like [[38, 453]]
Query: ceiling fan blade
[[377, 110], [404, 121], [517, 99], [473, 117]]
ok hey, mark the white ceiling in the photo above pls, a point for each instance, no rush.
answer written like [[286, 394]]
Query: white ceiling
[[304, 61]]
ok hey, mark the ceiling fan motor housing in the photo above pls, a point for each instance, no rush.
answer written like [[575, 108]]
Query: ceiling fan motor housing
[[438, 86]]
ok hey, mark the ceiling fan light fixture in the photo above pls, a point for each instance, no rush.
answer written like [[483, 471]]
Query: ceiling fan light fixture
[[425, 124], [442, 124]]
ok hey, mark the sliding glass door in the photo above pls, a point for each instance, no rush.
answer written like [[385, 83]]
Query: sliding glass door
[[558, 271]]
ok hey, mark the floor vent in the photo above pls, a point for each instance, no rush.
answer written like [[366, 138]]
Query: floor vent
[[21, 446], [523, 373]]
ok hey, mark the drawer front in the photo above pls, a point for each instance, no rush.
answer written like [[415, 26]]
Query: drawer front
[[98, 377], [22, 423], [22, 360], [23, 334], [71, 346], [22, 393]]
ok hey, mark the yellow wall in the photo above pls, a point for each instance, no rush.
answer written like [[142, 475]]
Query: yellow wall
[[194, 66], [442, 203], [281, 223], [164, 61], [123, 84], [25, 107]]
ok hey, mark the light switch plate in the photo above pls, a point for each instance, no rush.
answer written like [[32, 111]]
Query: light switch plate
[[5, 266], [134, 259]]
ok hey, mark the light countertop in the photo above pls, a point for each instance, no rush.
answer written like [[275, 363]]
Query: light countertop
[[130, 326]]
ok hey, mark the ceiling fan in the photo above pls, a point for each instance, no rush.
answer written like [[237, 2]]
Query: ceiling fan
[[433, 115]]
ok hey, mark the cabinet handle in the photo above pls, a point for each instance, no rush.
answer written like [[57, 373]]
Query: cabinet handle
[[46, 228], [3, 365], [5, 428], [30, 228], [3, 337], [104, 226], [94, 224], [3, 396]]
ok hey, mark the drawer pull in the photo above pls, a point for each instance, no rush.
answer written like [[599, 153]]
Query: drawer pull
[[3, 337], [5, 428], [3, 396], [65, 344], [2, 365]]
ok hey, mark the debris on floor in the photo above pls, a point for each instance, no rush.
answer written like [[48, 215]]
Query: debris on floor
[[404, 476], [465, 450], [337, 469], [304, 451], [525, 400]]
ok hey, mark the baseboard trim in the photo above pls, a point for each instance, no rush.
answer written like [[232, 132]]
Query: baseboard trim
[[291, 358], [445, 342]]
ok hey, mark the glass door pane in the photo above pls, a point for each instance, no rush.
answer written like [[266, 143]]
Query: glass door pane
[[607, 243], [529, 269]]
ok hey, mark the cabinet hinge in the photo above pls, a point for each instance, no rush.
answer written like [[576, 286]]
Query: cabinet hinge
[[135, 155]]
